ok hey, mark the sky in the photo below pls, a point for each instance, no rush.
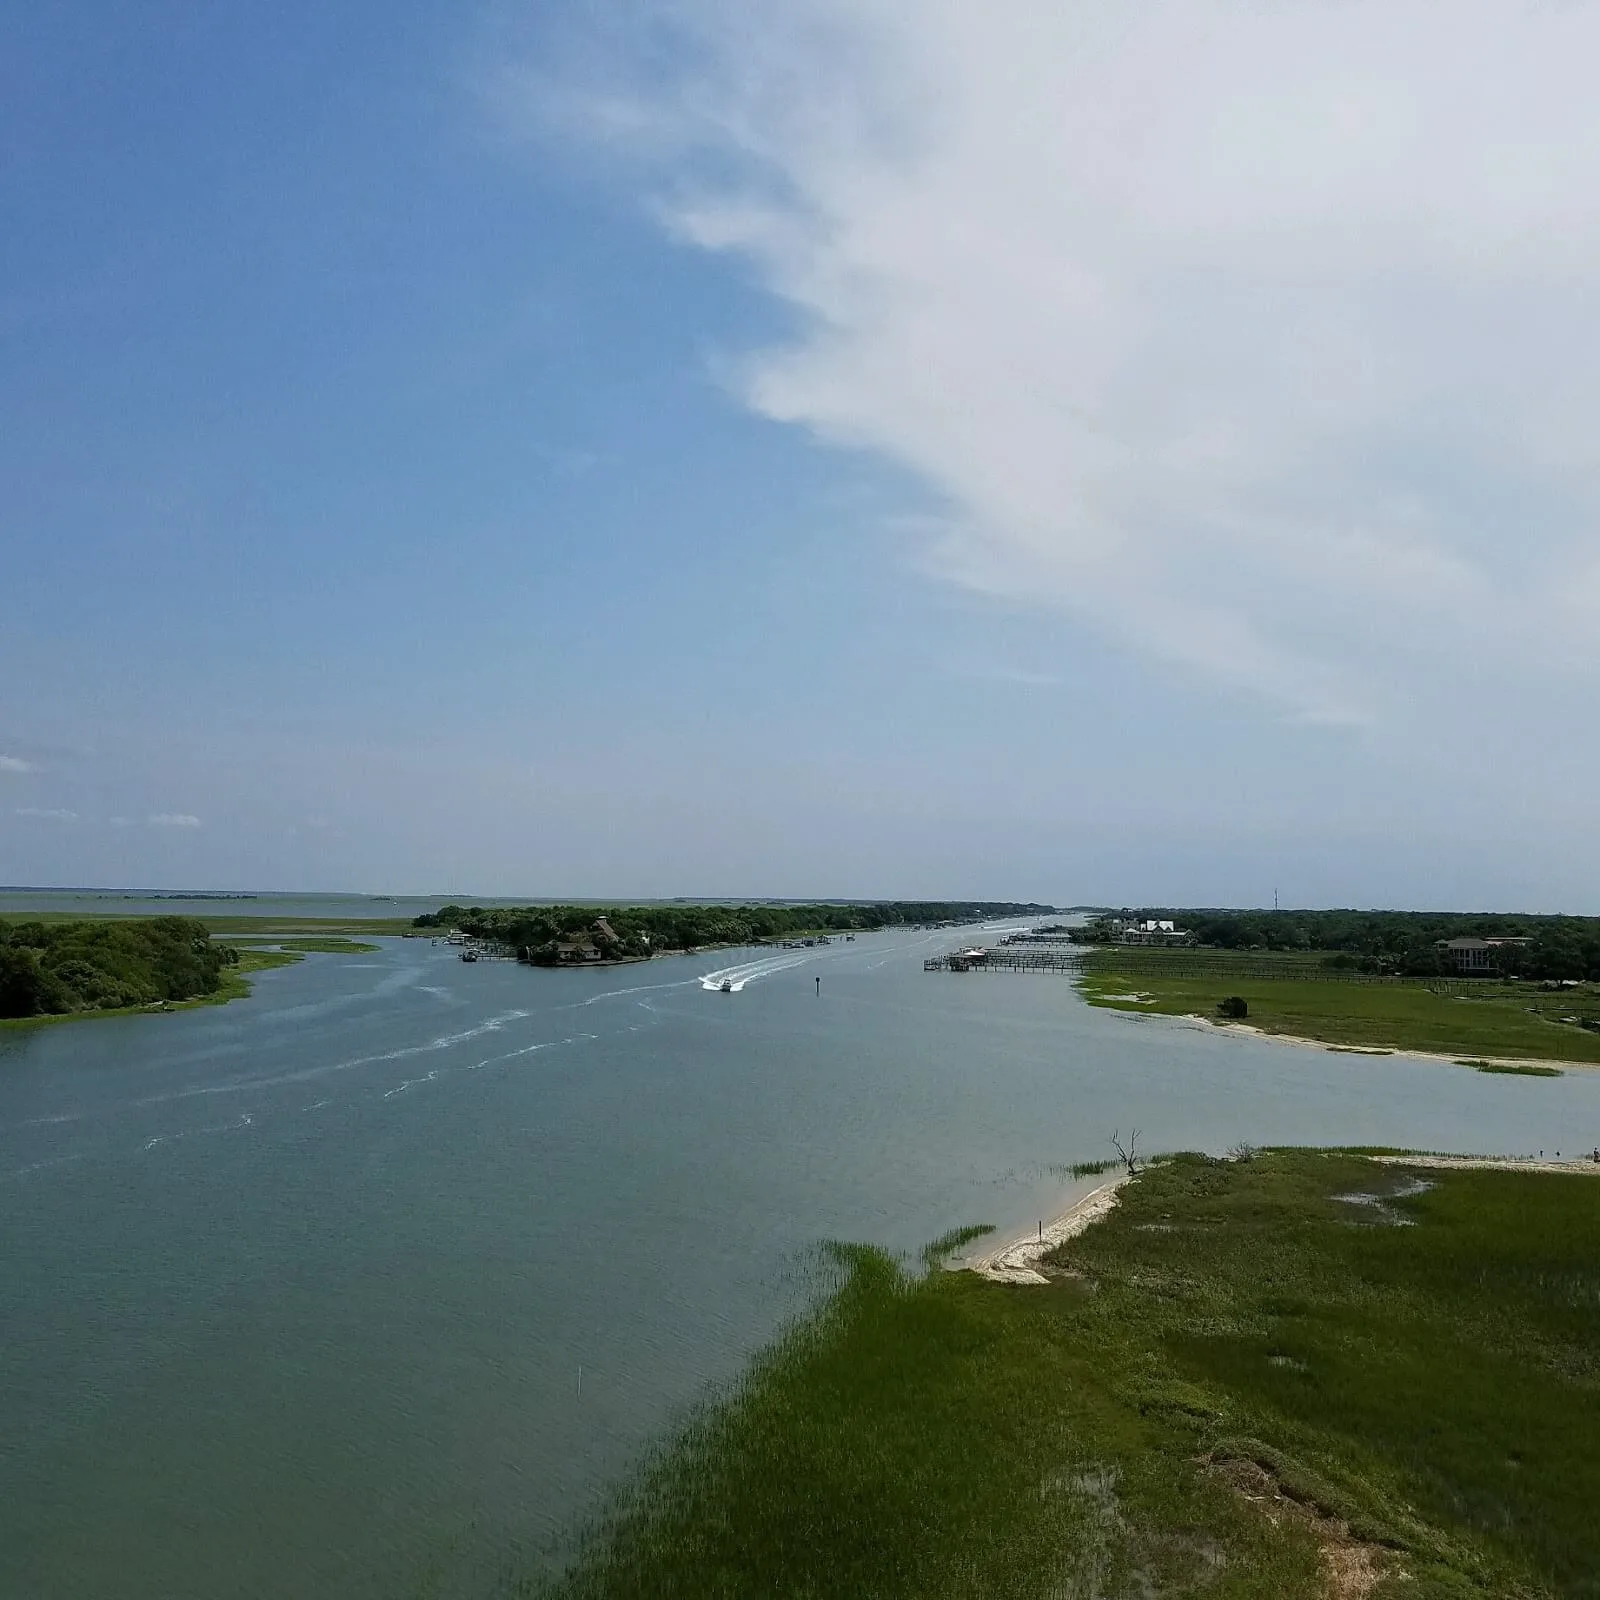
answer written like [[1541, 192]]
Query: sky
[[1095, 454]]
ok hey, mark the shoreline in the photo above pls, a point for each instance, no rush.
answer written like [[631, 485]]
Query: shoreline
[[1176, 1369], [1198, 1021], [1564, 1164], [621, 961], [238, 983], [1016, 1262], [1454, 1060]]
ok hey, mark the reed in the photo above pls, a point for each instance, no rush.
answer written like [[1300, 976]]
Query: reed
[[1424, 1395]]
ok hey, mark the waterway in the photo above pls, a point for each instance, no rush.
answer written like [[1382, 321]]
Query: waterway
[[370, 1284]]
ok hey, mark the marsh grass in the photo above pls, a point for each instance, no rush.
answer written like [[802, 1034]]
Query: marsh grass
[[1433, 1388], [1093, 1169], [1436, 1389], [261, 924], [321, 944], [1502, 1020], [953, 1243], [895, 1445]]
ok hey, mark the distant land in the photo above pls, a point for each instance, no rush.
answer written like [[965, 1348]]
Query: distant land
[[548, 936], [1499, 992]]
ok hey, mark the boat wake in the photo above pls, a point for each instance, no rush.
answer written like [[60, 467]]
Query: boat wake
[[731, 980], [245, 1121]]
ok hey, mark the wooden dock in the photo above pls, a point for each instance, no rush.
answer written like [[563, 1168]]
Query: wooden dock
[[1008, 958]]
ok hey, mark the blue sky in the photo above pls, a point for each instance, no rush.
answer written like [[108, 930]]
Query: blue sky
[[515, 451]]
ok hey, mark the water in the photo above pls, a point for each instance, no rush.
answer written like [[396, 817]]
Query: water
[[297, 1289], [17, 902]]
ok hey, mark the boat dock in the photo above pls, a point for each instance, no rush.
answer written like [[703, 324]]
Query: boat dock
[[1007, 958]]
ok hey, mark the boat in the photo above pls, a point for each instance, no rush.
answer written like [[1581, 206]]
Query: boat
[[727, 985], [469, 955]]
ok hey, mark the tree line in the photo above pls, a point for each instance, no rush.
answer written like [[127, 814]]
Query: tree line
[[53, 968], [537, 933], [1403, 943]]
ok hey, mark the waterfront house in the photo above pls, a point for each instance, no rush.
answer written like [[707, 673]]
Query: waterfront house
[[1153, 930], [1480, 957]]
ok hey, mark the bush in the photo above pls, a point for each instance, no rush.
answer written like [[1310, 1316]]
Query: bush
[[1234, 1006], [26, 989], [105, 965]]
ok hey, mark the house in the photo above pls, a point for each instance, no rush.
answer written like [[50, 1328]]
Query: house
[[1152, 930], [1482, 957], [575, 950]]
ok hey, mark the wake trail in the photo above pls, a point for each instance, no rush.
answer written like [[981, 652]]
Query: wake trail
[[445, 1041], [40, 1166], [489, 1061], [613, 994], [245, 1121], [751, 971], [410, 1083]]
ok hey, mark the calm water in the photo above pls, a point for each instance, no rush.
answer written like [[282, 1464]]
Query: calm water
[[297, 1290], [174, 903]]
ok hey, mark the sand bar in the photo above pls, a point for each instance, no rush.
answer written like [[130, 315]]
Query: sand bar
[[1018, 1261]]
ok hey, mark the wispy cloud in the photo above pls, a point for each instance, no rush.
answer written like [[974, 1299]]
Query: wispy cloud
[[16, 764], [174, 819], [53, 813], [1261, 337]]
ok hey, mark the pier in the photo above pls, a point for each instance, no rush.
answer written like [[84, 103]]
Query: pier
[[1007, 958]]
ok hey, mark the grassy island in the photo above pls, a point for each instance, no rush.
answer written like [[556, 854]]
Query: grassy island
[[53, 971], [1490, 987], [1481, 1018], [548, 935], [1296, 1374]]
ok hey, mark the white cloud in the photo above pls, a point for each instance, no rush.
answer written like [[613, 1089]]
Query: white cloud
[[16, 764], [122, 822], [54, 813], [1259, 336], [174, 819]]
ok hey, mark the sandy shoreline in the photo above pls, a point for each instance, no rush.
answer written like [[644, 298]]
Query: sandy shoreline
[[1250, 1030], [1017, 1262], [1396, 1050], [1493, 1163]]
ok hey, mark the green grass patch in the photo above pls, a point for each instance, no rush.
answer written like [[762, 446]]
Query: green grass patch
[[325, 944], [953, 1243], [1421, 1363], [1494, 1020], [353, 927], [260, 924], [1519, 1069], [1092, 1169]]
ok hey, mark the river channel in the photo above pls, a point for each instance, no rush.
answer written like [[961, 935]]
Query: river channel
[[368, 1285]]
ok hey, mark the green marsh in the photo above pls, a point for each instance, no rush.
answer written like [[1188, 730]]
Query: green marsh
[[1402, 1369], [1492, 1019]]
